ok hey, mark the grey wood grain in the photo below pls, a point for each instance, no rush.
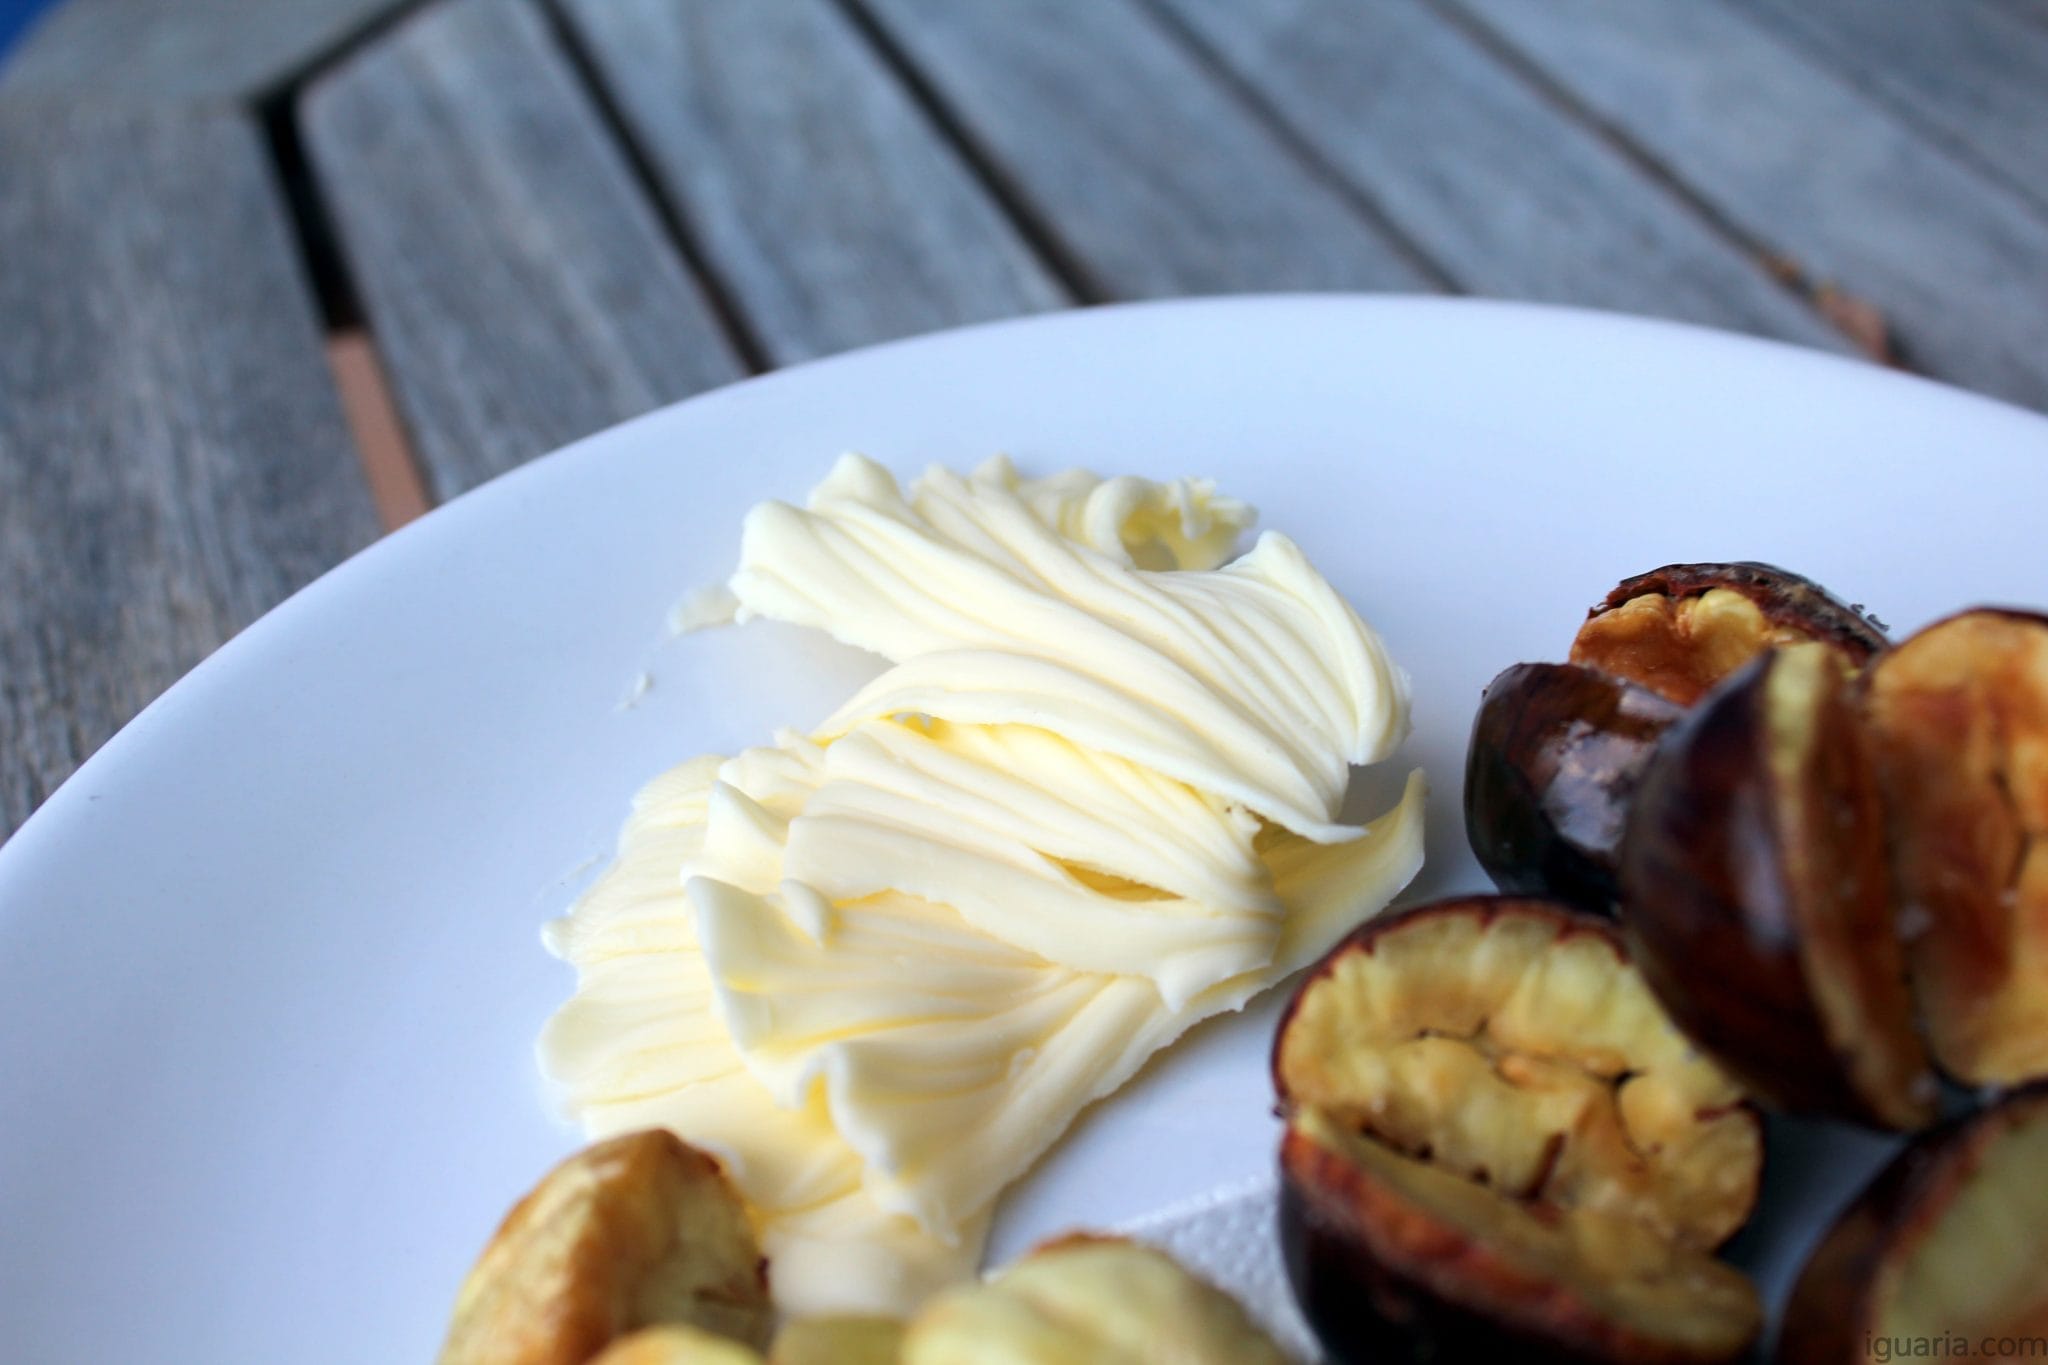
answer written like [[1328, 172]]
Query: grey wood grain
[[1812, 167], [517, 282], [2036, 10], [172, 456], [825, 202], [1512, 195], [1149, 173], [164, 51], [1971, 73]]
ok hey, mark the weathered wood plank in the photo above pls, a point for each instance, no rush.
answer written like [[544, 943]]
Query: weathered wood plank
[[165, 51], [1514, 197], [1812, 167], [1971, 73], [172, 458], [1153, 178], [2030, 9], [827, 205], [517, 283]]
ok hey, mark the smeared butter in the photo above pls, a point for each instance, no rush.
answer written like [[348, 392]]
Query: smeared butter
[[880, 968]]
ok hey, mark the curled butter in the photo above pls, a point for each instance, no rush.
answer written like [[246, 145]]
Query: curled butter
[[880, 968]]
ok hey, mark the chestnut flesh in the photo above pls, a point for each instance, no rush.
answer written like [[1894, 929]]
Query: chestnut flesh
[[1680, 629], [637, 1231], [1945, 1245], [1959, 714], [1556, 752], [1759, 902], [1498, 1147]]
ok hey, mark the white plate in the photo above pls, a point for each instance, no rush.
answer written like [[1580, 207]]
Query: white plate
[[269, 965]]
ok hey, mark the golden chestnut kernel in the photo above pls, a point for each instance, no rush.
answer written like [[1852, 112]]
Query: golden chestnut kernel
[[1498, 1146]]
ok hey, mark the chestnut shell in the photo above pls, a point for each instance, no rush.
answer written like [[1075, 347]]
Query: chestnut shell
[[1556, 753], [1369, 1311], [1758, 898]]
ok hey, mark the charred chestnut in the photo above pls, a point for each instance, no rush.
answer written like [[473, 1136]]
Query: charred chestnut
[[1759, 900], [1680, 629], [1945, 1245], [1556, 752], [1498, 1146], [1959, 714]]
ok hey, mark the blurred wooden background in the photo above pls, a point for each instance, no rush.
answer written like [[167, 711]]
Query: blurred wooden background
[[280, 274]]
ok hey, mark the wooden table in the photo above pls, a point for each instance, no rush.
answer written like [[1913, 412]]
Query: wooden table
[[276, 276]]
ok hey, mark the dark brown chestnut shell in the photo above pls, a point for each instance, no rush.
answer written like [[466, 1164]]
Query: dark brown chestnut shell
[[1383, 1284], [1555, 756], [1758, 896]]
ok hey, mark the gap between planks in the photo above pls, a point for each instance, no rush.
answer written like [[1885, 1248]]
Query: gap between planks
[[1260, 107], [390, 467], [667, 210], [396, 486], [1865, 326], [1062, 262]]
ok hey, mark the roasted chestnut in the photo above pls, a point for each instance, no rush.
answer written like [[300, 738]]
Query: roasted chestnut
[[636, 1231], [1498, 1147], [1557, 749], [1556, 752], [1759, 900], [1940, 1256], [1959, 714]]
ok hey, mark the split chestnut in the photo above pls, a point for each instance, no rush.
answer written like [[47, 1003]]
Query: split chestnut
[[1808, 841], [1498, 1146]]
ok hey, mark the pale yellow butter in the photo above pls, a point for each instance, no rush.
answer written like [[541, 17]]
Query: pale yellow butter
[[881, 968]]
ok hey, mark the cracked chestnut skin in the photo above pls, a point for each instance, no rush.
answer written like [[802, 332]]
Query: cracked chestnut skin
[[1959, 715], [1945, 1242], [1556, 753], [1557, 750], [1498, 1147], [1759, 900]]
